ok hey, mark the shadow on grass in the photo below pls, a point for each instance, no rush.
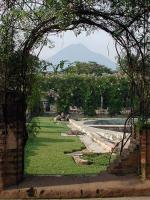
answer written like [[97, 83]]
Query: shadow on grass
[[42, 140], [52, 126], [30, 150], [37, 142], [49, 142], [52, 131]]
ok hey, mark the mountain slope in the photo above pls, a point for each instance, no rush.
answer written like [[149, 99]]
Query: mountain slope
[[78, 52]]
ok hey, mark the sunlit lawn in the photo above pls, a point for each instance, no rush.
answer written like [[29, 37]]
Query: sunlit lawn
[[44, 153]]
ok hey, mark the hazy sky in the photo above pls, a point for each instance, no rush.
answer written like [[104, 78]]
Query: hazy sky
[[99, 42]]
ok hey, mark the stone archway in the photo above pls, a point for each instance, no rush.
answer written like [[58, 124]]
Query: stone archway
[[116, 23]]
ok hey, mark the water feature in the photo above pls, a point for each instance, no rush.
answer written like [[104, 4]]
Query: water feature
[[114, 124], [106, 121]]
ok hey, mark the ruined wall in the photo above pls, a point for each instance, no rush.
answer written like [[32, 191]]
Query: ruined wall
[[145, 152], [135, 159], [12, 139], [127, 162]]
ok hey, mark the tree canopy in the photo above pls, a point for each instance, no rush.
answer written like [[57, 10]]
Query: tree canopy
[[24, 25], [85, 91], [87, 68]]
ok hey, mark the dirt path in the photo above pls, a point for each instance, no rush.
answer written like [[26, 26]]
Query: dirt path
[[56, 187]]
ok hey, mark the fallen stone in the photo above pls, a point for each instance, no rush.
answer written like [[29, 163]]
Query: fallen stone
[[81, 161], [74, 132]]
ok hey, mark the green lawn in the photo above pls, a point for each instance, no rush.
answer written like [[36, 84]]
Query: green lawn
[[44, 154]]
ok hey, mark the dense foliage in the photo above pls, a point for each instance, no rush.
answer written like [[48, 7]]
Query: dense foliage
[[85, 91], [87, 68], [24, 25]]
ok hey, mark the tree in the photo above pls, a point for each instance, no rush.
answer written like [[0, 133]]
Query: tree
[[87, 68], [118, 95], [128, 24], [85, 92], [25, 25]]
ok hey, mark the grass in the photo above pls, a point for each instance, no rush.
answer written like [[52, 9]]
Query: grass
[[44, 154]]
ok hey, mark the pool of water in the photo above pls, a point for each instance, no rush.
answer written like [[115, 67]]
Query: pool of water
[[106, 121]]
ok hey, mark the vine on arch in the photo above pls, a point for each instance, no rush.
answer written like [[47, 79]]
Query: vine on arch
[[25, 25]]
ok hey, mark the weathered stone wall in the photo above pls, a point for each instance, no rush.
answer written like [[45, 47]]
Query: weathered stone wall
[[136, 159], [11, 157], [145, 152], [148, 153], [127, 163], [12, 140]]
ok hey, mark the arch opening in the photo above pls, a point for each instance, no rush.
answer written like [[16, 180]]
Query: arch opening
[[123, 26]]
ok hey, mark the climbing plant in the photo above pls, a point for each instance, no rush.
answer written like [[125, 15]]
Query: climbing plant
[[24, 25]]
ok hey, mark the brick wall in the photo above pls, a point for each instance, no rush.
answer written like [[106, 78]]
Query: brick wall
[[145, 152], [136, 159], [12, 140], [11, 157], [127, 163]]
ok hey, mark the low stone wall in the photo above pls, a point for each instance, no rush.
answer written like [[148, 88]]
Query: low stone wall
[[106, 138]]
